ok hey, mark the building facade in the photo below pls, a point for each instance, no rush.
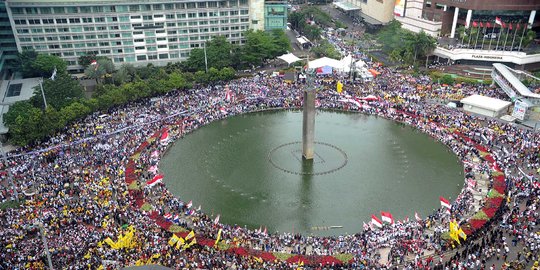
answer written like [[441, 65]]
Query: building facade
[[132, 31], [443, 17], [8, 45], [373, 12]]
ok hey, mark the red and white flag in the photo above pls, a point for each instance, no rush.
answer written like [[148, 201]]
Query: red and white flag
[[471, 184], [376, 221], [498, 21], [167, 216], [189, 204], [155, 154], [387, 217], [153, 169], [365, 226], [164, 137], [223, 110], [216, 220], [444, 202], [417, 216], [228, 96], [265, 231], [156, 180]]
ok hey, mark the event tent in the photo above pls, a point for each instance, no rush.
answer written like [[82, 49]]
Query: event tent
[[485, 105], [289, 58]]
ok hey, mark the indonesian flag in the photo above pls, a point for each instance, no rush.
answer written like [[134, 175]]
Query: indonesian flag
[[94, 62], [317, 103], [189, 204], [488, 24], [536, 184], [167, 216], [498, 21], [156, 180], [376, 221], [223, 110], [216, 220], [444, 202], [482, 24], [365, 226], [474, 24], [228, 96], [417, 216], [387, 217], [164, 137], [471, 184], [153, 169], [265, 231], [510, 26]]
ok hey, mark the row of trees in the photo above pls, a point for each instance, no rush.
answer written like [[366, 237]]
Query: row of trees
[[302, 21], [403, 45], [259, 46], [29, 121]]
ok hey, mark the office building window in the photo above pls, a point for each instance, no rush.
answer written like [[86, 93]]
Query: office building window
[[19, 22], [134, 8], [97, 9], [45, 10], [190, 5], [59, 10], [54, 46], [61, 20], [86, 10], [99, 19], [72, 10], [141, 57]]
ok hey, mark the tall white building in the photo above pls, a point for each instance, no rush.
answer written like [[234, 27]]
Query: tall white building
[[129, 31]]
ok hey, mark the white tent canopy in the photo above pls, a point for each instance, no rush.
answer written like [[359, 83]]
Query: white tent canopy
[[343, 65], [289, 58]]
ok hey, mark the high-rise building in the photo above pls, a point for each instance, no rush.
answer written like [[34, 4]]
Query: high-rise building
[[132, 31], [8, 46]]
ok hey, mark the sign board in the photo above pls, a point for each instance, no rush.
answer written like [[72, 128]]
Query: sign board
[[520, 110], [399, 8]]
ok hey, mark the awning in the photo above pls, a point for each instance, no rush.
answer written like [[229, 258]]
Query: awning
[[346, 6], [289, 58]]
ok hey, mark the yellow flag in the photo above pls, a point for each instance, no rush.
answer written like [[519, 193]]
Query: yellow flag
[[339, 87], [193, 242], [190, 235], [258, 259], [462, 234], [173, 240], [218, 237], [111, 243], [180, 242]]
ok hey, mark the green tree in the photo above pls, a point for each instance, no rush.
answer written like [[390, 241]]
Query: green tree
[[26, 126], [326, 49], [19, 108], [25, 60], [98, 71], [59, 92], [74, 111], [45, 65]]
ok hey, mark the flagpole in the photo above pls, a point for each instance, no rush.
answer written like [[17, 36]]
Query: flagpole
[[483, 38], [524, 30], [205, 58], [506, 38], [498, 38], [476, 40], [491, 36], [515, 32]]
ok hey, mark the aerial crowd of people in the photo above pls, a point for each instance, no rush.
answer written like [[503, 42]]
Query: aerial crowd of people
[[75, 195]]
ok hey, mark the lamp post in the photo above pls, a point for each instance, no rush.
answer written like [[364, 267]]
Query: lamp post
[[10, 176], [42, 92], [45, 245]]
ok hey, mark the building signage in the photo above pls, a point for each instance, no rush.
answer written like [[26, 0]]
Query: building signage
[[520, 110], [399, 8], [487, 57]]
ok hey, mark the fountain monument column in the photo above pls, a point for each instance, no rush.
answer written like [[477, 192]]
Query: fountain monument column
[[308, 128]]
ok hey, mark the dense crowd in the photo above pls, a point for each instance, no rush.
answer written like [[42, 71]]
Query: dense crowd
[[74, 189], [74, 181]]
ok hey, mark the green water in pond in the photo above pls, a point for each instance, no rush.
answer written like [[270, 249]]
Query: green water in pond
[[249, 169]]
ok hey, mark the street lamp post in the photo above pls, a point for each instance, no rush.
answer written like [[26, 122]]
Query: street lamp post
[[10, 176], [45, 245], [42, 92]]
